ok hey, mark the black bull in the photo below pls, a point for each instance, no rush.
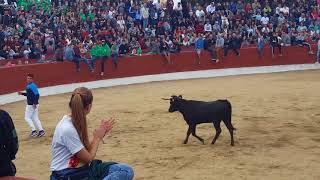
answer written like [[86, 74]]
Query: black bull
[[197, 112]]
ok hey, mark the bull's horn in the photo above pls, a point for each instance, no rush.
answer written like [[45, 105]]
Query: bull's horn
[[165, 99]]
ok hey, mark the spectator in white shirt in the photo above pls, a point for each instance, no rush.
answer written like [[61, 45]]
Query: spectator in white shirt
[[285, 10], [208, 27], [301, 27], [178, 9], [224, 20], [278, 9], [200, 13], [281, 19], [302, 18], [72, 152], [265, 19], [211, 8], [145, 15]]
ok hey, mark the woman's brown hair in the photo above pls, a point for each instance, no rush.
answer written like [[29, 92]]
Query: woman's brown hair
[[80, 100]]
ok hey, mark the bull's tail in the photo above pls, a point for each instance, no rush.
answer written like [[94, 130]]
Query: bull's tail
[[229, 111]]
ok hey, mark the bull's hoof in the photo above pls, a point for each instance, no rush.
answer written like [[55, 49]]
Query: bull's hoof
[[185, 142], [202, 142], [232, 144]]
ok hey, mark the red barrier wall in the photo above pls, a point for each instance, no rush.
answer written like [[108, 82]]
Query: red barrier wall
[[14, 78]]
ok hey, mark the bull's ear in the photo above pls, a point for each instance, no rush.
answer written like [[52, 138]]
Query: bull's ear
[[180, 96]]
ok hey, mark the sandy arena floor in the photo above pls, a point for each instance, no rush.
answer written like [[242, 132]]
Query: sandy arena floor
[[277, 117]]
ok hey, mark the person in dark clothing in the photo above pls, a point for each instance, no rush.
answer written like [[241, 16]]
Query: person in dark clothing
[[275, 42], [238, 42], [209, 45], [59, 53], [8, 145], [32, 107], [123, 48], [231, 43], [4, 52], [36, 52], [6, 18], [105, 55], [164, 49], [177, 46]]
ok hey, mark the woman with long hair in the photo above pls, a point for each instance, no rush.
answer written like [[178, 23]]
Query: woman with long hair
[[73, 154]]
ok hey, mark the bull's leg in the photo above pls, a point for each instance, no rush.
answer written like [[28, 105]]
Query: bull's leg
[[218, 131], [188, 134], [230, 128], [194, 134]]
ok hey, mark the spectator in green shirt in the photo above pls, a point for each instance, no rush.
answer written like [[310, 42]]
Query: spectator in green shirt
[[100, 51], [105, 51]]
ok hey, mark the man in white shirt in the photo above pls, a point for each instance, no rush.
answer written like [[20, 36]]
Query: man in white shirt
[[285, 10], [178, 9], [207, 27], [200, 13], [145, 15], [281, 19], [211, 8], [302, 18], [157, 4], [278, 9], [302, 28], [265, 19]]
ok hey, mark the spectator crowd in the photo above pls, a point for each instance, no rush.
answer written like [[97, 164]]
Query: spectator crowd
[[89, 30]]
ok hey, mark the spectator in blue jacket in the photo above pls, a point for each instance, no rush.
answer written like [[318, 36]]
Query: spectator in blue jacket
[[199, 45], [32, 108]]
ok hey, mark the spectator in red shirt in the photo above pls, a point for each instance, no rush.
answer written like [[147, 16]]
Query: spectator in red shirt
[[199, 28]]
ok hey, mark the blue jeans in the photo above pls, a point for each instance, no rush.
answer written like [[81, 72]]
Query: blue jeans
[[116, 172], [103, 61], [120, 172], [145, 23], [115, 60], [260, 51], [77, 61]]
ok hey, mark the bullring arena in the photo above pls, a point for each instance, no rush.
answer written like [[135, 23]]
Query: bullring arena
[[276, 115]]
